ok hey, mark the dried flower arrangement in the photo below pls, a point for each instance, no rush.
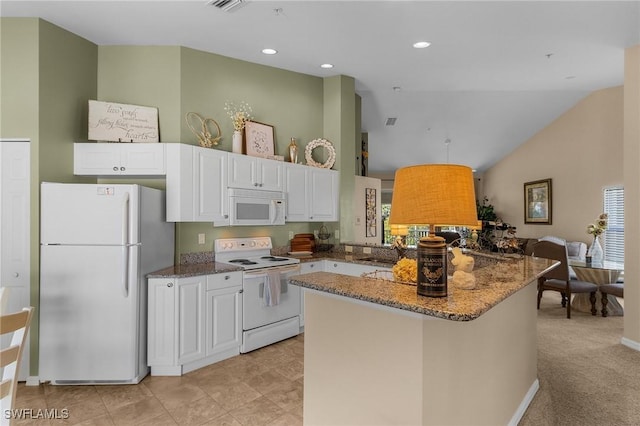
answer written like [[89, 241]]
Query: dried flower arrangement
[[599, 226], [239, 114]]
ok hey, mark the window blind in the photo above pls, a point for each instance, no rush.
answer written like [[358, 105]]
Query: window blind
[[614, 234]]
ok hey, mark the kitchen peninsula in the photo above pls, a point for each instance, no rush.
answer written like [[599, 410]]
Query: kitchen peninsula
[[377, 353]]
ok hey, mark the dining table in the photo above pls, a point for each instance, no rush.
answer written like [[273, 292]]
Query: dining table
[[599, 273]]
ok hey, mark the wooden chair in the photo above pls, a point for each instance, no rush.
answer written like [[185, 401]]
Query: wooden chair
[[18, 324], [558, 279], [617, 289]]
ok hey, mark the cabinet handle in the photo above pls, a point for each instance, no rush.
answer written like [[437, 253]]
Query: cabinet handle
[[16, 274], [310, 217], [255, 184], [241, 291], [226, 277], [115, 168], [226, 216], [169, 285], [122, 169], [311, 266], [260, 185], [335, 265]]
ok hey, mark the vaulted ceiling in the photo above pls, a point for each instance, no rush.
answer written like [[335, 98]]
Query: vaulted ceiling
[[494, 75]]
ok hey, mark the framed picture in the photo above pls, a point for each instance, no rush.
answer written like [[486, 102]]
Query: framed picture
[[259, 139], [370, 200], [537, 202]]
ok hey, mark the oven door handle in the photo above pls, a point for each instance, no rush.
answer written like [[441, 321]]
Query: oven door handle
[[282, 270]]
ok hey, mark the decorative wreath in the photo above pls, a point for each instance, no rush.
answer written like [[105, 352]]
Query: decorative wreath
[[331, 153]]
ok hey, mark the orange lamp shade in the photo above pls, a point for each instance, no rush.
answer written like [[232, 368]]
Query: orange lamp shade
[[399, 230], [434, 194]]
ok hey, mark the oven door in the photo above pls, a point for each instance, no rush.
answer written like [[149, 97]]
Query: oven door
[[254, 312]]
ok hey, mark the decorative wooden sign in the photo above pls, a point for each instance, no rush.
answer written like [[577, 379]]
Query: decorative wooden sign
[[113, 122]]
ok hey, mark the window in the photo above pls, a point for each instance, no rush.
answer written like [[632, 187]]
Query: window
[[614, 234]]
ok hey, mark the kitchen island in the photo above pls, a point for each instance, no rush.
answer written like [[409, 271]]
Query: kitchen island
[[377, 353]]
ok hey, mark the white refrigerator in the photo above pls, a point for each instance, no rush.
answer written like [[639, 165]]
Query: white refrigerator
[[98, 242]]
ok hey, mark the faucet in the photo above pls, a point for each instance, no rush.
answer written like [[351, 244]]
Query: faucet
[[399, 246]]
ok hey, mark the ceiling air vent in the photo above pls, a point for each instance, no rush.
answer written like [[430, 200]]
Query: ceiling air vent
[[391, 121], [226, 5]]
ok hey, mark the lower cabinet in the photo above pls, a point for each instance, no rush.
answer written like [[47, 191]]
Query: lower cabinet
[[193, 322]]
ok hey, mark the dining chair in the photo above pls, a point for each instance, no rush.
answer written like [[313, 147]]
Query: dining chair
[[17, 324], [616, 289], [557, 279]]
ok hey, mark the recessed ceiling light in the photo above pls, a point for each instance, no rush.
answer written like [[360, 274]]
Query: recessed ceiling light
[[421, 44], [327, 66], [269, 51]]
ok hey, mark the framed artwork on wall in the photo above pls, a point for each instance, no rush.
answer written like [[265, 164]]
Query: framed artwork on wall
[[371, 219], [537, 202], [259, 139]]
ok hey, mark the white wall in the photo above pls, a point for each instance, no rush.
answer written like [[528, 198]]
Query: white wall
[[581, 151], [360, 210]]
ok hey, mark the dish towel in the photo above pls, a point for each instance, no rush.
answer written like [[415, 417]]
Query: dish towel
[[272, 288]]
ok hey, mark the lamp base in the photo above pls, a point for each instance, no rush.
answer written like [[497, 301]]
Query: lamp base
[[432, 266]]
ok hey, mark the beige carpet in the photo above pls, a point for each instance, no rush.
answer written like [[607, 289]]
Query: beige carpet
[[587, 377]]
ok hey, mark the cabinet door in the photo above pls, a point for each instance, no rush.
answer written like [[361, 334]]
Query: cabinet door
[[161, 322], [109, 159], [224, 319], [190, 308], [15, 248], [296, 187], [325, 195], [146, 159], [211, 203], [270, 175], [242, 171], [96, 159]]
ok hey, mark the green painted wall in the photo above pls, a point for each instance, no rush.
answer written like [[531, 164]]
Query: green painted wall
[[47, 76], [201, 82], [340, 128]]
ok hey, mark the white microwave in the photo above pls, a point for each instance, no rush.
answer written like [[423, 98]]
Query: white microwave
[[256, 207]]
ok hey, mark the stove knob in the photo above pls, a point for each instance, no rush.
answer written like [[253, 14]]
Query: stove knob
[[253, 244]]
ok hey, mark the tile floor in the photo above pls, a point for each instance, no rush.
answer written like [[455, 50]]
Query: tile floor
[[263, 387]]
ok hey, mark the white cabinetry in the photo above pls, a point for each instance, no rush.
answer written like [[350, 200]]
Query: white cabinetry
[[193, 322], [15, 249], [255, 173], [197, 185], [224, 313], [119, 159], [313, 194]]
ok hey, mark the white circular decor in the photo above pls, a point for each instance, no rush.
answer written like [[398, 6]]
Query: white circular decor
[[331, 153]]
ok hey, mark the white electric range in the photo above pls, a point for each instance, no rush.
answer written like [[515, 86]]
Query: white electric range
[[266, 318]]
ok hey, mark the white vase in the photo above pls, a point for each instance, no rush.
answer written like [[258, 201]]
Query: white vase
[[595, 251], [237, 142]]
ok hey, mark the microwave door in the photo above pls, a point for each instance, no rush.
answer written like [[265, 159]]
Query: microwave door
[[273, 211]]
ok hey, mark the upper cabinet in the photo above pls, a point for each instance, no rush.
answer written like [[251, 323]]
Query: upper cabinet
[[255, 173], [313, 194], [197, 185], [119, 159]]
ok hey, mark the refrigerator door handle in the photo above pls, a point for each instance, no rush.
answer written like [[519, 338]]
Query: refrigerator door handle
[[125, 245], [125, 270]]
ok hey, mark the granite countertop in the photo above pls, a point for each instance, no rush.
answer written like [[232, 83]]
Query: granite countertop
[[193, 269], [496, 280]]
